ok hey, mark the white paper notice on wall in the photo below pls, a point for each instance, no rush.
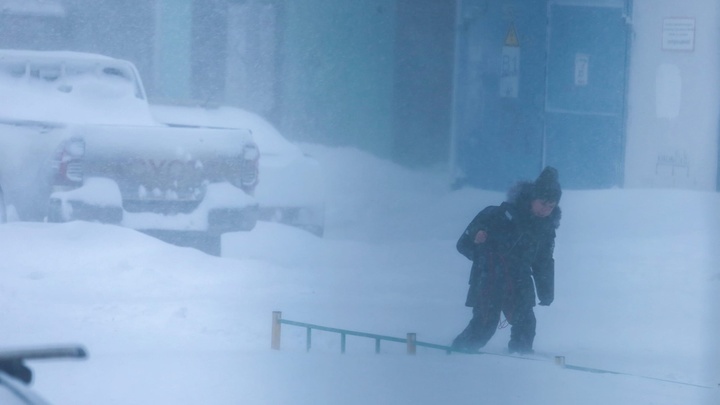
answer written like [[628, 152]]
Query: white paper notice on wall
[[510, 72], [510, 69], [582, 63], [678, 34], [668, 91]]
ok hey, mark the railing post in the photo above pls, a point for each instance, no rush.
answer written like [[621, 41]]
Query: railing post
[[275, 341], [411, 340]]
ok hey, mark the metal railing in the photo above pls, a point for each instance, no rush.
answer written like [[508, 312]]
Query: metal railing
[[410, 341], [412, 344]]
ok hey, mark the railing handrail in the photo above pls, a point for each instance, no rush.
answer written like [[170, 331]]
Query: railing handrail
[[412, 343], [407, 340], [343, 331], [410, 340]]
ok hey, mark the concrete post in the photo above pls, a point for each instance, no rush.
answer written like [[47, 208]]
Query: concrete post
[[411, 347]]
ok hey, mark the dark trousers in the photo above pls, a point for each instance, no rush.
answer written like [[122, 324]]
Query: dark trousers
[[517, 306]]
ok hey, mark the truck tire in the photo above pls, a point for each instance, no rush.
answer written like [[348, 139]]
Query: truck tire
[[209, 243], [317, 230], [54, 214]]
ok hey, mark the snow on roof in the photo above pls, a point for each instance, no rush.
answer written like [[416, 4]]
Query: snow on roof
[[43, 8], [66, 86], [26, 54]]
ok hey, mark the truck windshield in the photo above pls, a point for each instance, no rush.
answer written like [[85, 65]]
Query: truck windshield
[[63, 75]]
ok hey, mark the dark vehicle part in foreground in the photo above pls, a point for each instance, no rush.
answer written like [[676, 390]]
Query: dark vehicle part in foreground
[[15, 376]]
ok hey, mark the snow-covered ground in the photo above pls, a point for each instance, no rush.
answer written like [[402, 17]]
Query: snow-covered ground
[[638, 293]]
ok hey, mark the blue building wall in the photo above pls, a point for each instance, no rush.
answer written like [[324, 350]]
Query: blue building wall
[[539, 83], [337, 72]]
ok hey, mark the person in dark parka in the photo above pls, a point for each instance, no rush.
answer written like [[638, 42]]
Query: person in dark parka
[[511, 245]]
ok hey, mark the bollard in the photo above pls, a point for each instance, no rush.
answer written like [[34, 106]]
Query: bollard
[[560, 361], [275, 341], [411, 340]]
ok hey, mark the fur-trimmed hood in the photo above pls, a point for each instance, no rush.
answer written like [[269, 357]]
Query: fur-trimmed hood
[[521, 196]]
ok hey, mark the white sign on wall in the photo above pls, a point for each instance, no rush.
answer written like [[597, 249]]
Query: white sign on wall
[[582, 62], [678, 34], [510, 69], [510, 72]]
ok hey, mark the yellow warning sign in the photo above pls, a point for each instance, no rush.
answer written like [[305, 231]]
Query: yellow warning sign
[[511, 38]]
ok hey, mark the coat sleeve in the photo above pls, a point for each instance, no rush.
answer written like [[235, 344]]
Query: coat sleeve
[[466, 244], [544, 271]]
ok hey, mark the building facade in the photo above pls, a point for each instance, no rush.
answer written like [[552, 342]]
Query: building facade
[[615, 93]]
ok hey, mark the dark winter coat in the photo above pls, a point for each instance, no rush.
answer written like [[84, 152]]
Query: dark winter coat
[[519, 249]]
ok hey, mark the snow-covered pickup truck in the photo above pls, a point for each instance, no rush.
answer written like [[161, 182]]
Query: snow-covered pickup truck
[[78, 142]]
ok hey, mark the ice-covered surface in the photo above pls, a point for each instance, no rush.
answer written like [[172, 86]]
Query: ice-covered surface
[[637, 293]]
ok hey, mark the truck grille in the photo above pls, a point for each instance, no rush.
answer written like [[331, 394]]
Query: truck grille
[[74, 170]]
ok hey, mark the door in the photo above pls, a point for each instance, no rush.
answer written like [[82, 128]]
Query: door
[[585, 95], [499, 93]]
